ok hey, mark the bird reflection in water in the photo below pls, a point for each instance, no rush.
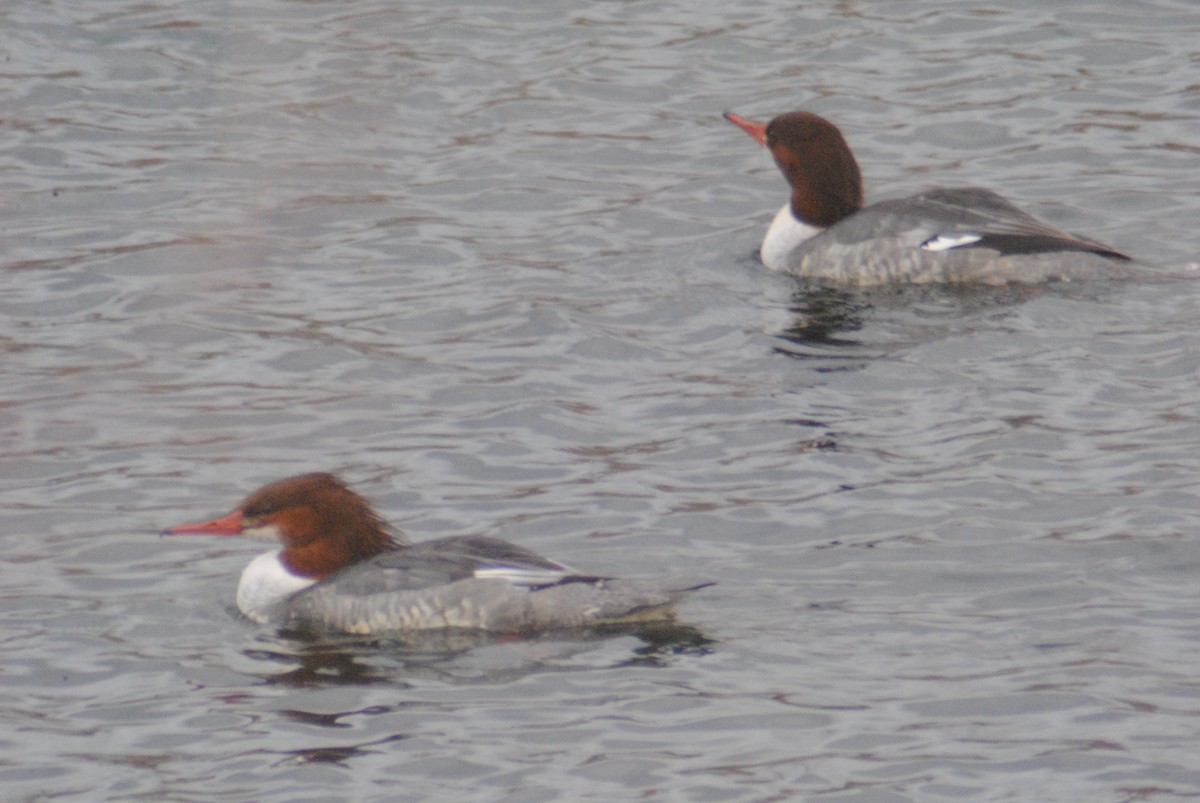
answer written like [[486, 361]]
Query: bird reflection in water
[[315, 658]]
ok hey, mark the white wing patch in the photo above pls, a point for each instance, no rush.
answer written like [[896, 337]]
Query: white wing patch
[[522, 575], [946, 242]]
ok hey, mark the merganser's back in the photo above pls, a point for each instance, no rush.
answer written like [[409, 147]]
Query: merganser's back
[[340, 568], [943, 235]]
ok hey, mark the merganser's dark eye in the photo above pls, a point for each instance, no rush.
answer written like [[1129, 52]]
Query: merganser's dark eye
[[260, 509]]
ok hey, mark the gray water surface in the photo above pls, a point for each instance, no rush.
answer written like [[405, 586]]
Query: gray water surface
[[494, 263]]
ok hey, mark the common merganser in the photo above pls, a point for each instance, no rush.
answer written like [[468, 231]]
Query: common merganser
[[339, 567], [960, 235]]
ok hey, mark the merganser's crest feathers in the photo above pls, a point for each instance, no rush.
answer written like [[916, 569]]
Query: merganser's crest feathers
[[967, 235], [340, 568]]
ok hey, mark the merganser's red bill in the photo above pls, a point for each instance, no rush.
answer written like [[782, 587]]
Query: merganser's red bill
[[225, 525], [756, 130]]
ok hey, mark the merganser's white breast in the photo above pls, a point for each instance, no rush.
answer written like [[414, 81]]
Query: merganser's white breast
[[785, 235], [266, 585]]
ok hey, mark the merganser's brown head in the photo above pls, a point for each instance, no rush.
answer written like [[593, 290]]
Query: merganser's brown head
[[323, 525], [819, 166]]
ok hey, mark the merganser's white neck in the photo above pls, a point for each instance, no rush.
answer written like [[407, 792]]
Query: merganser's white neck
[[266, 583], [784, 236]]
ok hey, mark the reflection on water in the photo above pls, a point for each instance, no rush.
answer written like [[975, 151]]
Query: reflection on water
[[823, 314], [321, 658], [341, 755]]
